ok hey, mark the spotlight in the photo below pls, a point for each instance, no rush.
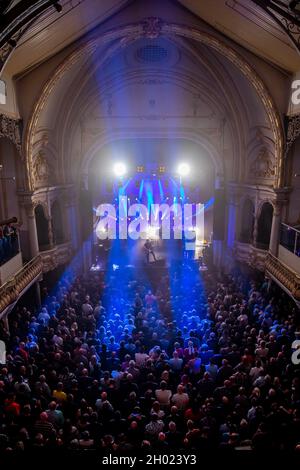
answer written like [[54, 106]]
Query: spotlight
[[152, 232], [183, 169], [119, 169]]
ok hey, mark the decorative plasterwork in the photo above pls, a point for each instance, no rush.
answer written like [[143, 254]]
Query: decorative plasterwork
[[263, 166], [59, 255], [41, 170], [292, 131], [153, 26], [12, 129]]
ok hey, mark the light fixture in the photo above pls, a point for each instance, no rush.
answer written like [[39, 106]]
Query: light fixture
[[58, 7], [183, 169], [119, 169]]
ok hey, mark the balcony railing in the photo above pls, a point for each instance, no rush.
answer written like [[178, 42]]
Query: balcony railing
[[11, 290], [290, 238], [284, 275]]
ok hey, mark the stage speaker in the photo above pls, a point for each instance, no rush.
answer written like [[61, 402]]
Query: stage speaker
[[219, 215], [86, 214]]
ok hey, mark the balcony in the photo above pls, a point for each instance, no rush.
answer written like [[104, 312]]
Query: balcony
[[11, 291], [285, 276], [251, 255], [20, 281], [289, 248], [10, 256]]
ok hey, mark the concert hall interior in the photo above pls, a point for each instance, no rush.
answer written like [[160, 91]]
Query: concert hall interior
[[149, 226]]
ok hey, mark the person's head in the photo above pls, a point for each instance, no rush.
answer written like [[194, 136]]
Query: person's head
[[163, 385], [172, 426], [44, 416], [60, 387]]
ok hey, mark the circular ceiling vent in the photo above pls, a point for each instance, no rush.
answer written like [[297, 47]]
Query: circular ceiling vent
[[152, 53]]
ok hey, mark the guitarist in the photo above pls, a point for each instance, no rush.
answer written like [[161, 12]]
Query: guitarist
[[148, 247]]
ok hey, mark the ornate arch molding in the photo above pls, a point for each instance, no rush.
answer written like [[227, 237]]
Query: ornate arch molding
[[44, 205], [187, 83], [261, 203], [153, 28]]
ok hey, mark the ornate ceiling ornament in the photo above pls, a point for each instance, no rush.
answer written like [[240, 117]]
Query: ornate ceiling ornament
[[12, 129], [153, 28]]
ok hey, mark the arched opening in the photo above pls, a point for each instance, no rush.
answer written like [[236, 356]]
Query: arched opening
[[42, 228], [151, 178], [57, 223], [247, 222], [264, 226]]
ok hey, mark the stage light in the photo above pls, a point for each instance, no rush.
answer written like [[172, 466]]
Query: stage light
[[119, 169], [183, 169], [152, 232]]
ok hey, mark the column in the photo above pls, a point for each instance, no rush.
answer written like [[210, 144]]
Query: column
[[72, 225], [255, 229], [232, 219], [50, 232], [32, 231], [87, 255], [71, 217], [275, 230], [218, 245]]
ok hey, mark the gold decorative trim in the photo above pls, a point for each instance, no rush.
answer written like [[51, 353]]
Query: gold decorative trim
[[284, 275], [11, 290], [132, 32]]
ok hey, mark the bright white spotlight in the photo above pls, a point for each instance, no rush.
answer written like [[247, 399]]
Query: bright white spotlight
[[183, 169], [119, 169]]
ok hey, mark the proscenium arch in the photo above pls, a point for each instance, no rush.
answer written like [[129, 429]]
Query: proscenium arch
[[180, 80], [130, 33], [112, 136], [232, 101]]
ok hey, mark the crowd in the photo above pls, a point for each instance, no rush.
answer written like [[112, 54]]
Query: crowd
[[9, 245], [158, 368]]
